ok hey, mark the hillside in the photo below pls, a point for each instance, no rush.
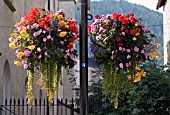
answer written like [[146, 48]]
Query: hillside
[[150, 18]]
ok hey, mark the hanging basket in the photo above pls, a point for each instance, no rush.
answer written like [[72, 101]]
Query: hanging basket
[[44, 43], [120, 43]]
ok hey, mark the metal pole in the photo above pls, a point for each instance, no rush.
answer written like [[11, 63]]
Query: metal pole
[[83, 58]]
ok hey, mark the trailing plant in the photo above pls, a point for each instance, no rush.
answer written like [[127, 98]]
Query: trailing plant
[[44, 42], [121, 43]]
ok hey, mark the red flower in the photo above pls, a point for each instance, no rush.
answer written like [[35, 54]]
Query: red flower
[[120, 44], [73, 28], [117, 39], [116, 16], [73, 39], [97, 16], [47, 18], [70, 46], [89, 29]]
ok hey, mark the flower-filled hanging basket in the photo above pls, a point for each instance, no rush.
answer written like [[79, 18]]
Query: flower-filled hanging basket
[[44, 42], [120, 43]]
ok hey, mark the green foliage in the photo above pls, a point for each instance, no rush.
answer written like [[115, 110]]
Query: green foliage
[[150, 96]]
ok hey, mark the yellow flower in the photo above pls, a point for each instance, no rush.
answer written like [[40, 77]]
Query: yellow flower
[[12, 45], [23, 33], [154, 53], [62, 23], [137, 34], [18, 63], [134, 38], [31, 47], [62, 34], [20, 54], [136, 24], [60, 17]]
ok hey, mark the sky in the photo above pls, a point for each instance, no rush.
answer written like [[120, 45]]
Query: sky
[[151, 4]]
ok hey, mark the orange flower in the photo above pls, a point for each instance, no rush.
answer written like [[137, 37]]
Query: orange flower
[[20, 54], [62, 34], [12, 45], [18, 63], [60, 17]]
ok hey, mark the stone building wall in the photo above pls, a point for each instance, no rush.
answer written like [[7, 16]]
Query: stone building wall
[[13, 79], [166, 29]]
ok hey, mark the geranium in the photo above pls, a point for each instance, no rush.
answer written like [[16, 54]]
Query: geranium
[[120, 43], [42, 41]]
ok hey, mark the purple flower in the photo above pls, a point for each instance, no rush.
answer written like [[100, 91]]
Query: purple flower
[[39, 49], [61, 42], [50, 20], [27, 53], [56, 23], [25, 66], [121, 65], [136, 49]]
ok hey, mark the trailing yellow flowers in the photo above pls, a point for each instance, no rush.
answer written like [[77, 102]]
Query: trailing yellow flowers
[[20, 54], [31, 47], [63, 34]]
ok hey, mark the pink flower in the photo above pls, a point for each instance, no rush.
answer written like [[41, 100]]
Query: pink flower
[[61, 42], [48, 37], [46, 53], [127, 65], [113, 52], [44, 39], [128, 56], [27, 53], [124, 49], [25, 66], [65, 56], [39, 49], [39, 57], [123, 33], [75, 62], [120, 48], [142, 51], [136, 49], [121, 65], [71, 56], [128, 50]]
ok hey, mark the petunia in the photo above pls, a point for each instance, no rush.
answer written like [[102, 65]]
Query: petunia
[[44, 39], [46, 53], [40, 56], [23, 33], [61, 42], [72, 56], [136, 49], [27, 53], [128, 56], [65, 56], [142, 51], [39, 49], [25, 66], [120, 48], [128, 50], [121, 65]]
